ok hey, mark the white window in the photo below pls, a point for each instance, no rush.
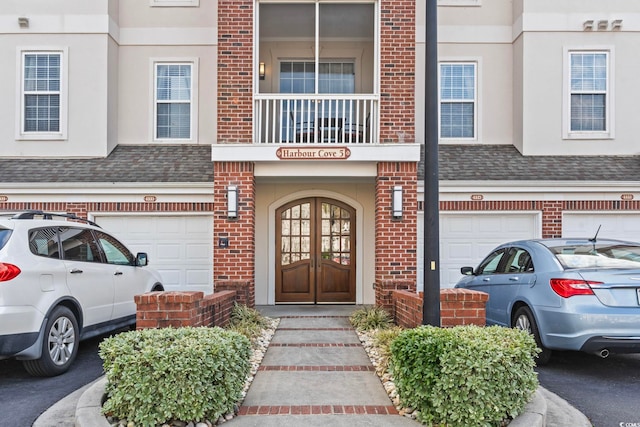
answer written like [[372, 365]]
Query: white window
[[42, 94], [174, 93], [588, 95], [458, 99]]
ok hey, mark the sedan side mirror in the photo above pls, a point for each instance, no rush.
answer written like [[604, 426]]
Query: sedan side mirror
[[467, 271], [142, 259]]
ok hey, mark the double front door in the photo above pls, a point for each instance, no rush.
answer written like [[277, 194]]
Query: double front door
[[315, 252]]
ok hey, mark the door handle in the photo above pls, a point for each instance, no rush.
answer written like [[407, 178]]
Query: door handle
[[486, 279], [118, 273], [514, 279], [75, 271]]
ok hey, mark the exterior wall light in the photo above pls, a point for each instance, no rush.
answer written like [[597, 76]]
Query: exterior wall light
[[261, 70], [396, 202], [232, 201]]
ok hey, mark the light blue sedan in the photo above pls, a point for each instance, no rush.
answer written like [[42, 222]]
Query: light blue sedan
[[571, 294]]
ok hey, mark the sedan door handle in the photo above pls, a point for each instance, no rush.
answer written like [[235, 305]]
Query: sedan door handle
[[118, 273], [486, 279], [75, 271], [514, 279]]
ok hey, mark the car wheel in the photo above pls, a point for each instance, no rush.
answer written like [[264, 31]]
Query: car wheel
[[59, 346], [525, 321]]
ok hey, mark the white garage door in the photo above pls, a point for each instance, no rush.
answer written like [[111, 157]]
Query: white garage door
[[179, 247], [612, 225], [466, 238]]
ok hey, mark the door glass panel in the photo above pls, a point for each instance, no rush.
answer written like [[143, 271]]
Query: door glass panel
[[295, 234], [336, 235]]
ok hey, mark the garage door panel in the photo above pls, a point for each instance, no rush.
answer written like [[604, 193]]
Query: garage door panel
[[612, 225], [198, 252], [466, 238], [169, 251], [198, 277], [179, 247], [457, 227]]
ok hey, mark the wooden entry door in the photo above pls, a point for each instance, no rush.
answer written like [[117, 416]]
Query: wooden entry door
[[315, 252]]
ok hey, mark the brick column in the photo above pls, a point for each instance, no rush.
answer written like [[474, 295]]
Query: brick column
[[552, 219], [396, 239], [234, 266], [397, 70], [235, 71]]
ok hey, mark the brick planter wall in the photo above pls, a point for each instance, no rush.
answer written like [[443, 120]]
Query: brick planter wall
[[177, 309], [457, 307]]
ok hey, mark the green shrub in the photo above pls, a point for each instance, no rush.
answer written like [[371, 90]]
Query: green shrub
[[382, 339], [247, 321], [187, 374], [464, 376], [370, 317]]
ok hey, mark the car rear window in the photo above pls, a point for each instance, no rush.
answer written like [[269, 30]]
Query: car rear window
[[4, 236], [598, 255]]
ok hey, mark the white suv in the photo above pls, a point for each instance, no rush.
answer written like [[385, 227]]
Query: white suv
[[63, 280]]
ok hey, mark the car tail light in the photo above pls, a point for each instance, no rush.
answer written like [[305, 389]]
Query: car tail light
[[8, 272], [571, 287]]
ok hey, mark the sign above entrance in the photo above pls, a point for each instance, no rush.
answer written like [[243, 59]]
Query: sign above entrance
[[313, 153]]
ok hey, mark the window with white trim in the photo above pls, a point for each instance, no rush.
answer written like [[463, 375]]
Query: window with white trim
[[174, 101], [43, 96], [588, 91], [458, 100]]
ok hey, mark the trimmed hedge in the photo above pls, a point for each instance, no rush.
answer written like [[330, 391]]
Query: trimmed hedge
[[464, 376], [189, 374]]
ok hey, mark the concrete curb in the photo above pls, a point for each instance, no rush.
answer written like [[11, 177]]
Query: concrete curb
[[88, 414], [535, 413], [89, 405]]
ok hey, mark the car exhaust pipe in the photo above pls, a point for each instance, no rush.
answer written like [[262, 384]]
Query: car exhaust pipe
[[604, 353]]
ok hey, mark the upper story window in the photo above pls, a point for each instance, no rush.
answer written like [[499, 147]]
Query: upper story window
[[43, 95], [174, 100], [588, 94], [589, 91], [458, 100]]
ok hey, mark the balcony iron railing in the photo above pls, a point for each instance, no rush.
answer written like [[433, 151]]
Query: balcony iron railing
[[328, 119]]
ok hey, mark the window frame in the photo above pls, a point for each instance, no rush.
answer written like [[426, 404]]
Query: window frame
[[63, 93], [193, 102], [475, 101], [609, 131]]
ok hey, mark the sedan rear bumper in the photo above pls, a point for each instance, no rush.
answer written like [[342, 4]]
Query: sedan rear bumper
[[602, 346], [590, 329]]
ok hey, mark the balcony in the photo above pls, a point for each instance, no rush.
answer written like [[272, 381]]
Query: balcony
[[312, 119]]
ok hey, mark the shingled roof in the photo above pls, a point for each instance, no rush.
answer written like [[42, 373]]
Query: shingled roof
[[126, 163], [506, 163], [192, 163]]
